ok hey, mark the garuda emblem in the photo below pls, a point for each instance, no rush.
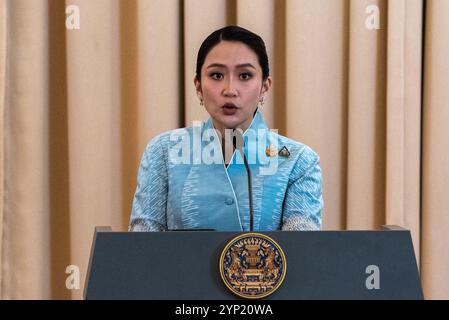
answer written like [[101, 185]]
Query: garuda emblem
[[253, 265]]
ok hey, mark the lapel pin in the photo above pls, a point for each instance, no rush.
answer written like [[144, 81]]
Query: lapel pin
[[271, 151], [284, 152]]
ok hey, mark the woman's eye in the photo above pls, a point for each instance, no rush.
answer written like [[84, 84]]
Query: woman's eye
[[245, 76], [216, 76]]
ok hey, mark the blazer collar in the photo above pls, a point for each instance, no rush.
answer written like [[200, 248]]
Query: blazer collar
[[252, 135]]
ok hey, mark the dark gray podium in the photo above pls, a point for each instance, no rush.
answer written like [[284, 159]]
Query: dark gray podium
[[184, 265]]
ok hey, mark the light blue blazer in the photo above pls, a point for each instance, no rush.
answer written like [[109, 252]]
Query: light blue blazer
[[182, 182]]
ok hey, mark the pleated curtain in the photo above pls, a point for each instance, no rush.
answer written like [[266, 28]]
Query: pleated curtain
[[365, 83]]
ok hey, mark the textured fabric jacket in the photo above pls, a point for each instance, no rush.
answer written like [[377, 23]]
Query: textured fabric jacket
[[183, 183]]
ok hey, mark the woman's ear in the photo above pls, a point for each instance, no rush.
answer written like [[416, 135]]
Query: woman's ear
[[197, 83], [266, 85]]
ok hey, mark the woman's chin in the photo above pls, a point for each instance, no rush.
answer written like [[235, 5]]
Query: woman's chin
[[232, 124], [229, 122]]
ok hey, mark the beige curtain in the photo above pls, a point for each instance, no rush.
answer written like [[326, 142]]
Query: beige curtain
[[78, 107]]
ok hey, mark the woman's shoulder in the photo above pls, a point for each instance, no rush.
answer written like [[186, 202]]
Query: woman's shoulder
[[169, 137], [296, 150]]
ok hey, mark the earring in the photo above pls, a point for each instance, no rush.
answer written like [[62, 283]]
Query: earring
[[261, 101], [201, 102]]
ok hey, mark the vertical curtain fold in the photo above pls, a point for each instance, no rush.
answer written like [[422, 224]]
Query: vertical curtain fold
[[158, 81], [316, 94], [3, 89], [94, 127], [435, 156], [403, 117], [58, 151], [366, 118], [25, 234]]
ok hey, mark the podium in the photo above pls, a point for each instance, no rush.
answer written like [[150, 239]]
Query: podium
[[184, 265]]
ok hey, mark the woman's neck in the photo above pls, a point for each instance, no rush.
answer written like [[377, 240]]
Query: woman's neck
[[227, 147]]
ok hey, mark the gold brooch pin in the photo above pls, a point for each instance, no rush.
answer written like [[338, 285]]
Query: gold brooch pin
[[284, 152], [271, 151]]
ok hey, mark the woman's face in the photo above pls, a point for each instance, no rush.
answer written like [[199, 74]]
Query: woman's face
[[231, 85]]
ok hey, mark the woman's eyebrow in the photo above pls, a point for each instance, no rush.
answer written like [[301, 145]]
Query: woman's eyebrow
[[220, 65], [246, 65]]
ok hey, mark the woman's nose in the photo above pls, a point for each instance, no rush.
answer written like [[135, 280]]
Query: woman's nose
[[230, 89]]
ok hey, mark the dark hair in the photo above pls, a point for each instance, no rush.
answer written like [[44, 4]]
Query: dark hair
[[234, 33]]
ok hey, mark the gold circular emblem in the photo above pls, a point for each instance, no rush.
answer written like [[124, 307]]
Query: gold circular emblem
[[253, 265]]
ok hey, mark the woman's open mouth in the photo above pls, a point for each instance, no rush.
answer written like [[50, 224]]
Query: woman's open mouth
[[229, 109]]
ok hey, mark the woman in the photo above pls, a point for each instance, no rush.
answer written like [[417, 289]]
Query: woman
[[197, 178]]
